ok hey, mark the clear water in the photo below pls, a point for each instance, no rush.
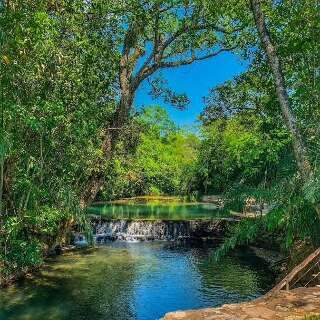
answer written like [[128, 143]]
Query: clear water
[[139, 281], [168, 211]]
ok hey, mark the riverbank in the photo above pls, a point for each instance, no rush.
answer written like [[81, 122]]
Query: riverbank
[[285, 305]]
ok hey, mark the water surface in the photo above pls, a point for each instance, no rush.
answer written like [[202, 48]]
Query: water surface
[[165, 211], [139, 281]]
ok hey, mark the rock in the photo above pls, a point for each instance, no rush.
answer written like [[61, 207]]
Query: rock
[[142, 230], [282, 308], [264, 312], [80, 241], [292, 305]]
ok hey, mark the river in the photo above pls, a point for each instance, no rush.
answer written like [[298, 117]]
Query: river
[[144, 280]]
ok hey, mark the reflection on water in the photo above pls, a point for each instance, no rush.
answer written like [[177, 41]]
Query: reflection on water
[[167, 211], [133, 281]]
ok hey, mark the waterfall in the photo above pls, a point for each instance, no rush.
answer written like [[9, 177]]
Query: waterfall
[[144, 230]]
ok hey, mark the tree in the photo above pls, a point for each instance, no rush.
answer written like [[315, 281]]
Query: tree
[[56, 78], [281, 43], [161, 162], [155, 35], [299, 147]]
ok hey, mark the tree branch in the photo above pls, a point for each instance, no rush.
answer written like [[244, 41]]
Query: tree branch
[[193, 58], [159, 47], [199, 27], [138, 53]]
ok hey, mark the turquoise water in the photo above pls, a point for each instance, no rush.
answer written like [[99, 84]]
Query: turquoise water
[[168, 211], [134, 281]]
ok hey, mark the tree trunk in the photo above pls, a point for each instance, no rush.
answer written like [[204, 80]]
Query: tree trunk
[[110, 139], [2, 155], [1, 184], [96, 179], [113, 130], [299, 148]]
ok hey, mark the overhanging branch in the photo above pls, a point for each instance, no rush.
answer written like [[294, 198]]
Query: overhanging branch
[[193, 58]]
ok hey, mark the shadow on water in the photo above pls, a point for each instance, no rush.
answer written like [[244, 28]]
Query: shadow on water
[[134, 281], [78, 286]]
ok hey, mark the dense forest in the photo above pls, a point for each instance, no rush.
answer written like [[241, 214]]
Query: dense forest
[[71, 133]]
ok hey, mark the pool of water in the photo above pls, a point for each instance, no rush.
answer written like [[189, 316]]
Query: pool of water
[[167, 211], [139, 281]]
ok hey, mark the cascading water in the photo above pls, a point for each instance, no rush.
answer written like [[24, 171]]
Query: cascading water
[[144, 230]]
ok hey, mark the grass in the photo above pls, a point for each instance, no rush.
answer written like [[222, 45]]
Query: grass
[[312, 317]]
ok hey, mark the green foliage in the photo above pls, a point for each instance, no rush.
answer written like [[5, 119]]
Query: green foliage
[[312, 318], [243, 124], [26, 237], [59, 79], [161, 163], [244, 233], [57, 74], [292, 217], [239, 149]]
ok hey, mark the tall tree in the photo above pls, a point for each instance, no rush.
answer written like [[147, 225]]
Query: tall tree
[[156, 35], [299, 147]]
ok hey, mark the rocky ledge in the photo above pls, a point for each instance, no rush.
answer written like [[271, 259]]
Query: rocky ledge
[[142, 230], [285, 305]]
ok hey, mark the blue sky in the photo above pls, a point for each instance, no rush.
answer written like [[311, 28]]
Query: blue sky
[[195, 80]]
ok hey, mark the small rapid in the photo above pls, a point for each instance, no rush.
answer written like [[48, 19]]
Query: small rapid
[[147, 230]]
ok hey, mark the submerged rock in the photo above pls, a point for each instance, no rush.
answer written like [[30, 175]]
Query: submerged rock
[[80, 241]]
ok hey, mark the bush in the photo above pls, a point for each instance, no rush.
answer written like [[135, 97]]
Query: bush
[[25, 239]]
